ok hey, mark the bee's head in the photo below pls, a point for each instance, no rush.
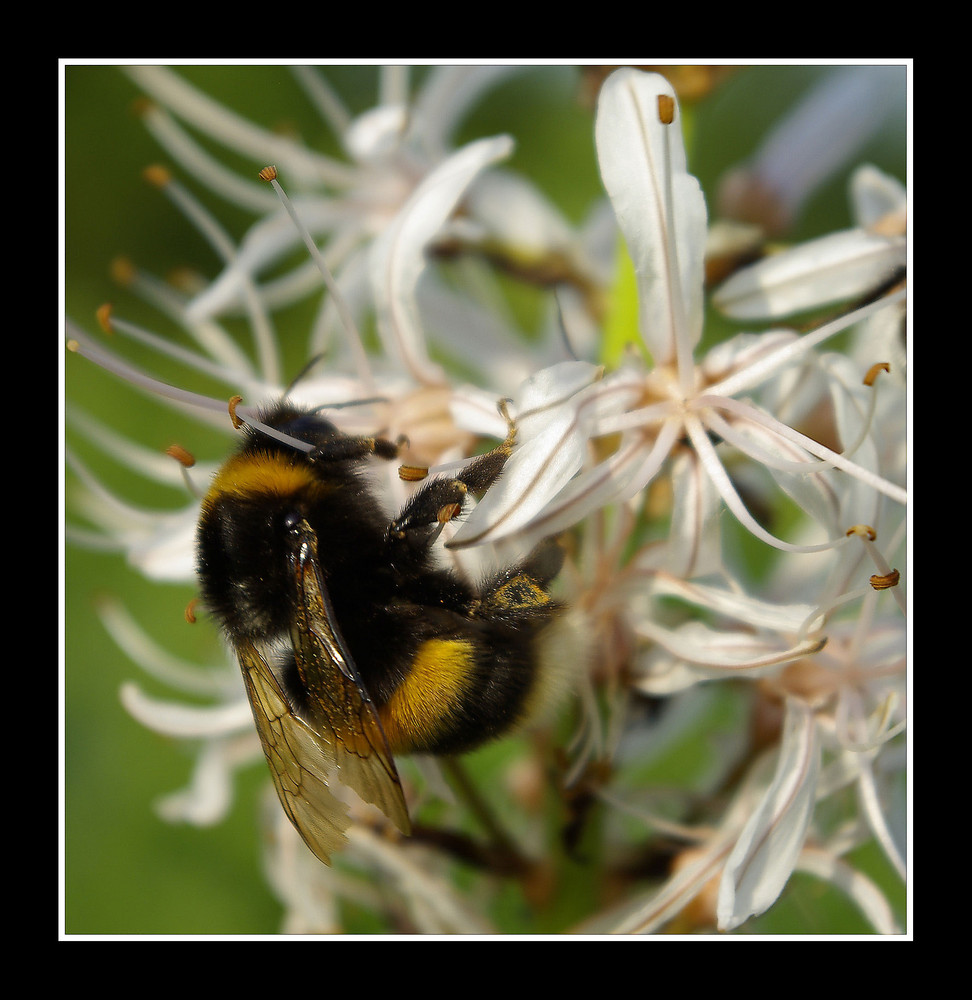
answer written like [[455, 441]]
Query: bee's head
[[297, 423], [245, 537]]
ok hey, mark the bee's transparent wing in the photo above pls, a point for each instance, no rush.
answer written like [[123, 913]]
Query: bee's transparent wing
[[340, 709], [300, 761]]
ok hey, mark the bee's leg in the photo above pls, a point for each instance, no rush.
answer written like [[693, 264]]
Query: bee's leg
[[440, 500], [343, 448]]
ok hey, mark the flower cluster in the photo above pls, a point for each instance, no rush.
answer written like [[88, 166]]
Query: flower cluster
[[735, 506]]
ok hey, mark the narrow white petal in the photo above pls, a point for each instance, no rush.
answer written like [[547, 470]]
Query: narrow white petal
[[556, 384], [168, 553], [830, 269], [735, 603], [398, 254], [157, 661], [218, 122], [720, 653], [376, 133], [695, 539], [172, 718], [516, 213], [208, 798], [562, 408], [264, 243], [447, 95], [768, 847], [137, 458], [537, 471], [858, 887], [659, 207], [876, 195]]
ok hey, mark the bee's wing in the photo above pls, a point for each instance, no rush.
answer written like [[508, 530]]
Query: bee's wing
[[300, 761], [340, 710]]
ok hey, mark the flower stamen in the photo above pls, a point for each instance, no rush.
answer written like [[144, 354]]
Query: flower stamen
[[186, 461], [112, 325], [220, 241], [666, 109], [103, 315], [886, 578], [184, 457], [269, 174], [874, 370], [884, 581], [235, 401]]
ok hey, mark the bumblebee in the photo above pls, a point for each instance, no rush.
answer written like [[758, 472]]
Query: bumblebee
[[354, 645]]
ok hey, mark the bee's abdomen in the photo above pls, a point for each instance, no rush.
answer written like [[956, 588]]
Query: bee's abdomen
[[476, 679]]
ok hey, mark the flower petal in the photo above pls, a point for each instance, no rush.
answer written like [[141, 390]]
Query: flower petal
[[770, 843], [447, 95], [207, 799], [265, 242], [830, 269], [398, 254], [180, 719], [558, 411], [659, 207], [876, 195]]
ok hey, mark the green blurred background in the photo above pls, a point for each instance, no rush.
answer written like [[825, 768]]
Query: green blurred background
[[126, 872]]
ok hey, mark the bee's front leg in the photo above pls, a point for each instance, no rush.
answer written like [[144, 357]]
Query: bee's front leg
[[342, 448], [440, 500]]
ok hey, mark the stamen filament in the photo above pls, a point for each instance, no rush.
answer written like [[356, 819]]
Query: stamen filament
[[217, 121], [742, 409], [269, 174], [752, 376], [196, 161], [219, 239], [144, 461], [723, 484], [81, 344], [191, 360], [685, 361], [886, 578], [208, 334]]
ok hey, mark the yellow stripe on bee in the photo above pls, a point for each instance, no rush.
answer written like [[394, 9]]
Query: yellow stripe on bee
[[434, 685], [261, 473]]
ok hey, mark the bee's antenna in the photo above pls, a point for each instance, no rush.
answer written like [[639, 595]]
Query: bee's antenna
[[302, 373]]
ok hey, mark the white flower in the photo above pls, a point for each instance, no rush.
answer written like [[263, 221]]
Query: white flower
[[551, 483], [760, 421], [392, 150]]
